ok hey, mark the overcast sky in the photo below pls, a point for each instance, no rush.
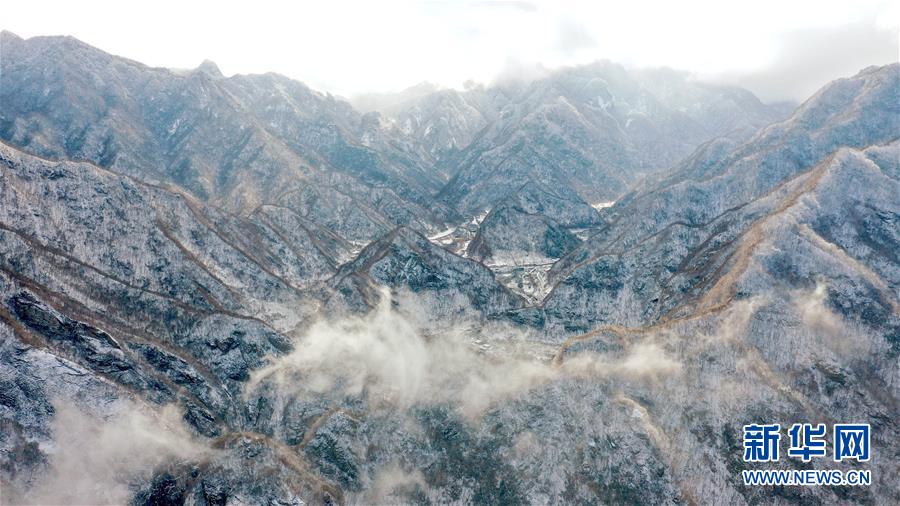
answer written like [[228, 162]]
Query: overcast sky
[[780, 49]]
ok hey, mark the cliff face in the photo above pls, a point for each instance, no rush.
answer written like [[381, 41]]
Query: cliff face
[[237, 290]]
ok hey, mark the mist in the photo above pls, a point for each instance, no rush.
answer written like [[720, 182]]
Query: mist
[[389, 358], [98, 459], [808, 59], [781, 51]]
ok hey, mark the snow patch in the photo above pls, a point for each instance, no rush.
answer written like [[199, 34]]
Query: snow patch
[[441, 235]]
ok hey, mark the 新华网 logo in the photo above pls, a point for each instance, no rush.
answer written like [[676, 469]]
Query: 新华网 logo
[[850, 441]]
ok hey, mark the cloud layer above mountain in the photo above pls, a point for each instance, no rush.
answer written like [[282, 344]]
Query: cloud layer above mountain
[[364, 47]]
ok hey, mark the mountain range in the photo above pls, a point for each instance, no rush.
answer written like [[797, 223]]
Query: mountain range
[[578, 288]]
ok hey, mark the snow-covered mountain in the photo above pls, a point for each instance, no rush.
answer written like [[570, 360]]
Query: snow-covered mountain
[[588, 131], [578, 289]]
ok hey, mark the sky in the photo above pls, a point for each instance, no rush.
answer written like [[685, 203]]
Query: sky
[[779, 49]]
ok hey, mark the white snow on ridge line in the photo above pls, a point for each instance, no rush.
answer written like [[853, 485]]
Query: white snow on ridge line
[[518, 259], [476, 220], [442, 234], [603, 205], [529, 281]]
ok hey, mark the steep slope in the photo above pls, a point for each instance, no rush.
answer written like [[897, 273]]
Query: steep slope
[[666, 243], [118, 295], [123, 229], [720, 110], [856, 112], [237, 142], [592, 131], [299, 347], [522, 236], [446, 283], [123, 299], [510, 235], [811, 291], [446, 121]]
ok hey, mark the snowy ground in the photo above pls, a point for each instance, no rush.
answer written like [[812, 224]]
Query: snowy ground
[[457, 239], [527, 280], [603, 205], [524, 274]]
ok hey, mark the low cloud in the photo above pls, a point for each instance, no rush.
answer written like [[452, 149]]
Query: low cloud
[[827, 327], [93, 460], [387, 357], [808, 59], [573, 37], [392, 485], [815, 314]]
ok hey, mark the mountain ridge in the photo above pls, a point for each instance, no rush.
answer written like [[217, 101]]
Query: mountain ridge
[[359, 314]]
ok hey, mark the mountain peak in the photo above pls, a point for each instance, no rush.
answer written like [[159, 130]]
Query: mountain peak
[[8, 35], [299, 293], [209, 68]]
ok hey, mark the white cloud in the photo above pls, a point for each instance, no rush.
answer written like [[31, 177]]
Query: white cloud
[[94, 460], [351, 47], [388, 357]]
